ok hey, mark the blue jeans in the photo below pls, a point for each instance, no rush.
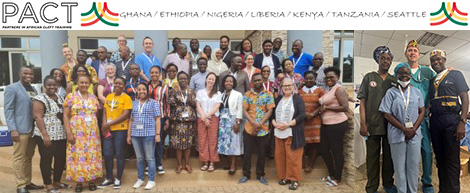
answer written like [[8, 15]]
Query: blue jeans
[[115, 146], [145, 148], [159, 145]]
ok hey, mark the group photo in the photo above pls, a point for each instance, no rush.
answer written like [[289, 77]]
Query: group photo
[[411, 129], [221, 111]]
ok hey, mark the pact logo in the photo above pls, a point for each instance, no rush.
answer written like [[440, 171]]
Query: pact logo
[[100, 13], [16, 13], [449, 13]]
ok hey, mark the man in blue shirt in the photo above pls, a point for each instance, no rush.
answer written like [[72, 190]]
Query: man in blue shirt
[[198, 81], [302, 61], [420, 78], [146, 60]]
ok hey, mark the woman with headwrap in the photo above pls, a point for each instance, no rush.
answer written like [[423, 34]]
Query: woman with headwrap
[[403, 107], [373, 126], [216, 64]]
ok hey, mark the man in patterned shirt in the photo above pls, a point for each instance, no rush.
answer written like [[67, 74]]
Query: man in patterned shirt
[[258, 105]]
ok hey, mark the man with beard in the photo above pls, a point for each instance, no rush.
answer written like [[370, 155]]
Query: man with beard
[[194, 55], [373, 123], [277, 43], [268, 59], [227, 53], [81, 61]]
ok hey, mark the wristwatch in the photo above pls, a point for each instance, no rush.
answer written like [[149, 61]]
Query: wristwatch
[[464, 121]]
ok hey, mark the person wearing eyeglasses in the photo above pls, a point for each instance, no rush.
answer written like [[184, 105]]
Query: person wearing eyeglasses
[[289, 135], [334, 105]]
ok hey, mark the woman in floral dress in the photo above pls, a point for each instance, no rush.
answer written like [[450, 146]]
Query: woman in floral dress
[[182, 103], [84, 160]]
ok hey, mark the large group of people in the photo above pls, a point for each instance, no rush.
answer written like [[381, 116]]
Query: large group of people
[[226, 104], [403, 114]]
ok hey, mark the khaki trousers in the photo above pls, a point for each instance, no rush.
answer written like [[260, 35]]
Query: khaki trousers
[[23, 152], [288, 160]]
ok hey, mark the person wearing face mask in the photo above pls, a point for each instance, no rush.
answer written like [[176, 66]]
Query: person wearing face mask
[[216, 64], [373, 125], [403, 107], [420, 78], [448, 119]]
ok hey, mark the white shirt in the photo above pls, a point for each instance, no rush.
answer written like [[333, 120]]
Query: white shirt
[[268, 61], [282, 134], [208, 103]]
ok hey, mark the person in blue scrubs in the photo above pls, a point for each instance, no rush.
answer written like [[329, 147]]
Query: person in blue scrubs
[[403, 107], [420, 79]]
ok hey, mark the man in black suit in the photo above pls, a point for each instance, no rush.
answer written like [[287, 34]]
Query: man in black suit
[[268, 59]]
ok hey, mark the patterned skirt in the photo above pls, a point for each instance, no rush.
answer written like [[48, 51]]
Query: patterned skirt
[[229, 142], [181, 134]]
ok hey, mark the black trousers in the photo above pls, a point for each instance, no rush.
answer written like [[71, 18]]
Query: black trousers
[[331, 147], [447, 151], [251, 142], [57, 152]]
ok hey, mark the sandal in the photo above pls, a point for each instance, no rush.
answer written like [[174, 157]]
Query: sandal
[[294, 186], [232, 172], [284, 182], [179, 169], [188, 168], [79, 188], [92, 186], [63, 186], [204, 168], [211, 168]]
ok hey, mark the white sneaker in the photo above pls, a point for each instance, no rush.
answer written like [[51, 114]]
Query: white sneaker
[[117, 184], [150, 185], [138, 184], [160, 170]]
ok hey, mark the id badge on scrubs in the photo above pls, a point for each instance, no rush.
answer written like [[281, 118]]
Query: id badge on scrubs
[[185, 114], [140, 126], [409, 124], [109, 120], [88, 118]]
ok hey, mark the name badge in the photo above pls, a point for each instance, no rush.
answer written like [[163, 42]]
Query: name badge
[[108, 120], [409, 124], [140, 126], [88, 118], [185, 114]]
